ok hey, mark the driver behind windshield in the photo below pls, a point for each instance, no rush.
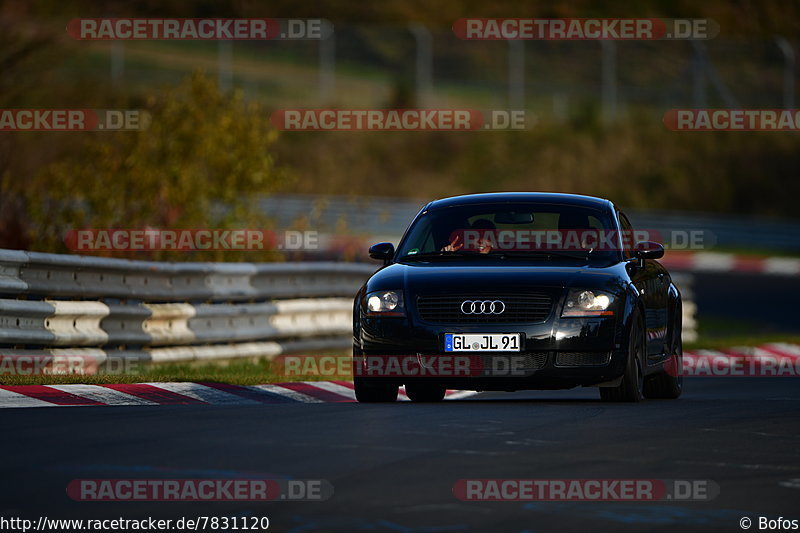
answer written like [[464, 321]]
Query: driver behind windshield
[[483, 245]]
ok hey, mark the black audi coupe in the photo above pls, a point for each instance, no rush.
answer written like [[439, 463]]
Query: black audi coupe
[[514, 291]]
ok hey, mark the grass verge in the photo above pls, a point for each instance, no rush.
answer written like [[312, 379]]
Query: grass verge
[[260, 371], [237, 372]]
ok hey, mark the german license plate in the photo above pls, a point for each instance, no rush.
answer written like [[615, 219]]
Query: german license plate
[[482, 342]]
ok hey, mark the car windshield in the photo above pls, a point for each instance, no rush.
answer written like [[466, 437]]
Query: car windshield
[[509, 230]]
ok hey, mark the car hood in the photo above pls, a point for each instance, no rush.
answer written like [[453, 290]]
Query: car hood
[[421, 278]]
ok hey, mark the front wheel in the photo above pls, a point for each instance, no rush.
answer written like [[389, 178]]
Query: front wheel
[[631, 387], [371, 391]]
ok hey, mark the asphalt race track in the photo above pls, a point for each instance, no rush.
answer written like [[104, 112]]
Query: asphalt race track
[[393, 466]]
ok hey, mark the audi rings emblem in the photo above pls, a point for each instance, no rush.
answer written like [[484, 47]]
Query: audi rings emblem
[[482, 307]]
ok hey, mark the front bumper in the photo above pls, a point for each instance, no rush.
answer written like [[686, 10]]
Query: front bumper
[[558, 353]]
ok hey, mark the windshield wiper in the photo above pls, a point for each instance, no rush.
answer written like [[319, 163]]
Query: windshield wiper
[[540, 254], [428, 255]]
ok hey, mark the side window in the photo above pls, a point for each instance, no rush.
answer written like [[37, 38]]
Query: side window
[[627, 236]]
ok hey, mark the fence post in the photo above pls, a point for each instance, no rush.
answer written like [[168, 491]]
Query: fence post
[[707, 70], [327, 68], [788, 71], [609, 76], [424, 63], [117, 62], [224, 72], [516, 74], [698, 78]]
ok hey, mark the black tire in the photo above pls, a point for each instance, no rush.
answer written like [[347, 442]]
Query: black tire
[[631, 387], [370, 391], [425, 392], [667, 385]]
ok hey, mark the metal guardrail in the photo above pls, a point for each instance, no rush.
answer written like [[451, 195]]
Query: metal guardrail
[[56, 276], [56, 308]]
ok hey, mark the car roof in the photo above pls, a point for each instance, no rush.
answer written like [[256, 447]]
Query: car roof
[[514, 197]]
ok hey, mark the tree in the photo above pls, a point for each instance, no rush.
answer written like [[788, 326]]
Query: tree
[[201, 163]]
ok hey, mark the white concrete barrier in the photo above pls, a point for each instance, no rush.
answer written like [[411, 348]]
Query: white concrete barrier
[[122, 311]]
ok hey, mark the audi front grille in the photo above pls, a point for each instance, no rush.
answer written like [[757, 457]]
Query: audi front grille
[[528, 308]]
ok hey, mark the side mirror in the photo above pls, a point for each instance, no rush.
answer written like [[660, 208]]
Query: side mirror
[[383, 251], [648, 250]]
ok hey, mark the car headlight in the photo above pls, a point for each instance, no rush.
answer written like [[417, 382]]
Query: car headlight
[[386, 303], [582, 302]]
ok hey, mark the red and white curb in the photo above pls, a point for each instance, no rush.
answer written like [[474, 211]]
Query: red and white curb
[[185, 393], [774, 359], [769, 360], [719, 262]]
